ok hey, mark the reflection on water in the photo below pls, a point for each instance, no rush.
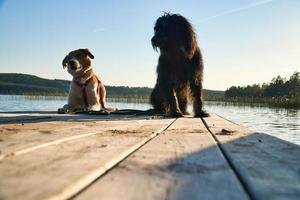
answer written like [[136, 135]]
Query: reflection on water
[[128, 104], [279, 122], [9, 103]]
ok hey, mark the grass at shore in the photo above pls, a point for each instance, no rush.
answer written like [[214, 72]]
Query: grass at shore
[[273, 102]]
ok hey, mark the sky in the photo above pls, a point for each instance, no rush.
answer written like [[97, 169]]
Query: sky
[[243, 41]]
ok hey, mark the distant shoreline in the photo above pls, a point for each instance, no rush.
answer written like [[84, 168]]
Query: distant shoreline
[[269, 102], [25, 84], [29, 85]]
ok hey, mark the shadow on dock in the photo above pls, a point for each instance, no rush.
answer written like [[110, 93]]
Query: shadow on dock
[[48, 116], [260, 167], [184, 161], [267, 167]]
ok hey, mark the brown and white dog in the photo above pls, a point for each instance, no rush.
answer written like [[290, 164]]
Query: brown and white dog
[[86, 91]]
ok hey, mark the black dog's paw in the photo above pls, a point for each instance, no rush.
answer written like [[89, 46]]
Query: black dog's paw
[[185, 113], [157, 111], [61, 111], [176, 114], [202, 113]]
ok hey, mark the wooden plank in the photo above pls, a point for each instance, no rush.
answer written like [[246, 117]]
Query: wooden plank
[[17, 139], [182, 163], [59, 171], [268, 166], [34, 117]]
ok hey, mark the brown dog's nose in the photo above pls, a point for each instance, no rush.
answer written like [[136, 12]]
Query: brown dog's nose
[[72, 62], [73, 67]]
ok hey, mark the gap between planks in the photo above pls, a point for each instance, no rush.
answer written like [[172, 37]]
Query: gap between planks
[[15, 145], [56, 141], [30, 149], [235, 171], [84, 182], [182, 163], [267, 166]]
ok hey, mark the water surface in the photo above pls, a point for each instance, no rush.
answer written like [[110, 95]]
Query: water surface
[[279, 122]]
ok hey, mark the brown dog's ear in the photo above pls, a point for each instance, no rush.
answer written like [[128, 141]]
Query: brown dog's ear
[[88, 53], [64, 62]]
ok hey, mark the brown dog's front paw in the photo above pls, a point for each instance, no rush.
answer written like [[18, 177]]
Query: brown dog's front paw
[[202, 113]]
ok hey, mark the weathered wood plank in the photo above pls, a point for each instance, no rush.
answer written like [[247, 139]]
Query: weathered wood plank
[[182, 163], [59, 171], [31, 117], [24, 117], [17, 139], [269, 167]]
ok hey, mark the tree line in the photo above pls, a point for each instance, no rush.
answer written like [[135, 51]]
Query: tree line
[[25, 84], [279, 90]]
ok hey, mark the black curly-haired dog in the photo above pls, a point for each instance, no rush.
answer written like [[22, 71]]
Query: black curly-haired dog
[[179, 69]]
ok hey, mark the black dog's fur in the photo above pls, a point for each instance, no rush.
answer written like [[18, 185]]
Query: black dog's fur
[[179, 69]]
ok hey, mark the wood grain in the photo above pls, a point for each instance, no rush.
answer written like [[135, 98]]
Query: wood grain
[[182, 163], [269, 167], [58, 171]]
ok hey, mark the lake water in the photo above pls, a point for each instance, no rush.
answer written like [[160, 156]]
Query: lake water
[[279, 122]]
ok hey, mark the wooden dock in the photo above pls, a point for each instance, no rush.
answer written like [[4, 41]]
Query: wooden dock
[[49, 156]]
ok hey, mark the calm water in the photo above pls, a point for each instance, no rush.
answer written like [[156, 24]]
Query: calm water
[[279, 122]]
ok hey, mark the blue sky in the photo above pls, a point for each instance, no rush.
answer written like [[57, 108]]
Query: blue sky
[[243, 41]]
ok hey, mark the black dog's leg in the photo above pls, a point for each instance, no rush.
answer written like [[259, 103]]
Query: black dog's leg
[[197, 90], [183, 103], [196, 84], [182, 97], [157, 101], [171, 99]]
